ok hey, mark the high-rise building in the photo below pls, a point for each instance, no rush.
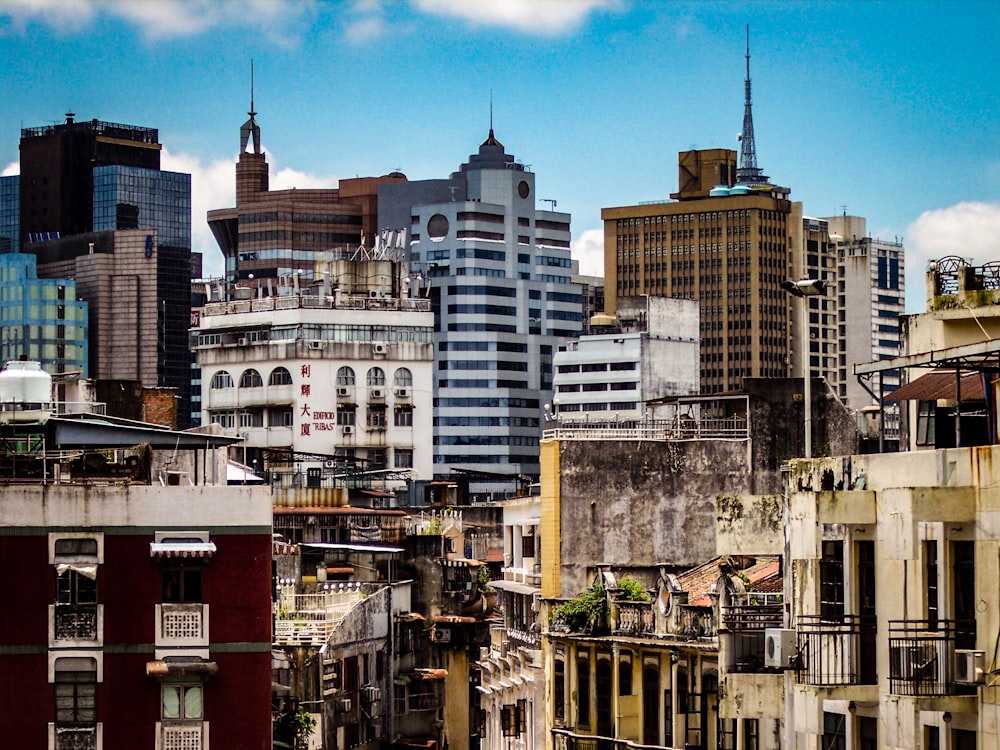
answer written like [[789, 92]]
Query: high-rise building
[[727, 246], [41, 319], [96, 207], [271, 234], [499, 272], [10, 213]]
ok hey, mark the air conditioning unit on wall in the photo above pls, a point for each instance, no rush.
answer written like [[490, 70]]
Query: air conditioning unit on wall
[[969, 666], [348, 429], [780, 647], [377, 393], [343, 391], [380, 348]]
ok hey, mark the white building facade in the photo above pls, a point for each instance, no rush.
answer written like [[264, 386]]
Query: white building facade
[[341, 373], [649, 351]]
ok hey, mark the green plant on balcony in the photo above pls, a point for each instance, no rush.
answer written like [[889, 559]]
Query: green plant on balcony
[[588, 611], [294, 726], [632, 590]]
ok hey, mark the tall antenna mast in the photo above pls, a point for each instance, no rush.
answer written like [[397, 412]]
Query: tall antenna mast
[[250, 129], [748, 172]]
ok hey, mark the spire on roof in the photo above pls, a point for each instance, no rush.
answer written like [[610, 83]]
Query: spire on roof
[[250, 128], [748, 172], [491, 140]]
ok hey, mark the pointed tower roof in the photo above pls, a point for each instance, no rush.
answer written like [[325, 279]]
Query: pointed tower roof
[[250, 129], [748, 172]]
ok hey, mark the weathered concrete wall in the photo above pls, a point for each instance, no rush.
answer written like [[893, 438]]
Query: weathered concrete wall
[[749, 525], [636, 504]]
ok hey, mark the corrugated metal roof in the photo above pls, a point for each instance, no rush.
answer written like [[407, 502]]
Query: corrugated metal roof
[[939, 384]]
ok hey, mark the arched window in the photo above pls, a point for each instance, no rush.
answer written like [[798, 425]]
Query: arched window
[[251, 379], [222, 379], [402, 378], [376, 376], [345, 376], [280, 376]]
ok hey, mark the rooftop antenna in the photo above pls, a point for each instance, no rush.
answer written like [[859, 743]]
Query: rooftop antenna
[[491, 110], [748, 172], [250, 128]]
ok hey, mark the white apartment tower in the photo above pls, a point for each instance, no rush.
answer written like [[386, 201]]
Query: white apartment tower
[[500, 281]]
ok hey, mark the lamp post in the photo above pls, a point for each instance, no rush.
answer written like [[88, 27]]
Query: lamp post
[[803, 289]]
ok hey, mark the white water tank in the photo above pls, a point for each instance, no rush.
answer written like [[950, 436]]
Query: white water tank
[[25, 382]]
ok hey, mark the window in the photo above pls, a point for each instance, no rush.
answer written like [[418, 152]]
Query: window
[[252, 418], [221, 380], [402, 378], [376, 376], [280, 376], [625, 673], [559, 690], [403, 458], [76, 690], [251, 379], [926, 412], [76, 585], [181, 702], [345, 376], [831, 581], [834, 734], [182, 584], [279, 416], [583, 691], [402, 416], [346, 415], [376, 416], [377, 458]]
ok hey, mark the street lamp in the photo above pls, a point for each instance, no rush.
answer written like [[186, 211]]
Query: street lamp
[[803, 289]]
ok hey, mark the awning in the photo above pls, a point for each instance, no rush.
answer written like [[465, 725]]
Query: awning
[[87, 571], [237, 473], [181, 549], [483, 690], [940, 385], [173, 667], [517, 588]]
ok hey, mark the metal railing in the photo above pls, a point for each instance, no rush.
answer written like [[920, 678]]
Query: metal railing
[[747, 625], [75, 623], [563, 739], [922, 655], [317, 302], [76, 737], [704, 428], [831, 649]]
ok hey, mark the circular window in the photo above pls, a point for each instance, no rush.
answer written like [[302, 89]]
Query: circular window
[[522, 189], [437, 227]]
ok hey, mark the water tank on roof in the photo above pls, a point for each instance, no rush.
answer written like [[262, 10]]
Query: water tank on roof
[[739, 189], [719, 191], [25, 382]]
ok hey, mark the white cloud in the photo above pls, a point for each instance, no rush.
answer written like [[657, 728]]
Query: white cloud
[[588, 249], [542, 17], [11, 169], [365, 22], [164, 19], [968, 230]]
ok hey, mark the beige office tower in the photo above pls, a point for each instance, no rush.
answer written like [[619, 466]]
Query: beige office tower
[[724, 243]]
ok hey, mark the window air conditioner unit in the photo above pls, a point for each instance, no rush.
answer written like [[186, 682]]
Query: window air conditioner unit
[[242, 342], [343, 705], [442, 635], [969, 666], [403, 392], [329, 464], [315, 344], [371, 694], [377, 393], [380, 348], [343, 391], [348, 429], [780, 647]]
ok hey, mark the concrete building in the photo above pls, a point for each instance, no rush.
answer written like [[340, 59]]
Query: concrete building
[[649, 351], [271, 234], [41, 319], [499, 275], [121, 543], [94, 206], [341, 369], [727, 247]]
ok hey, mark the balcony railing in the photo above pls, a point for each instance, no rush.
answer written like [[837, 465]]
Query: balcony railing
[[76, 737], [423, 701], [563, 739], [182, 624], [922, 656], [314, 617], [746, 625], [698, 622], [636, 618], [76, 623], [835, 651], [183, 735]]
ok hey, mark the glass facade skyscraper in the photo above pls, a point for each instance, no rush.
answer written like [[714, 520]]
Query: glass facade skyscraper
[[41, 319], [10, 208]]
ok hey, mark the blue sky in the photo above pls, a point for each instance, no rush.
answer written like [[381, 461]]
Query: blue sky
[[890, 109]]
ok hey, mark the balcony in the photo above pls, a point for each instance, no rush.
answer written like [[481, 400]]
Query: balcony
[[744, 627], [182, 626], [837, 651], [922, 656], [423, 701], [74, 737], [313, 617], [76, 625], [181, 735], [636, 618]]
